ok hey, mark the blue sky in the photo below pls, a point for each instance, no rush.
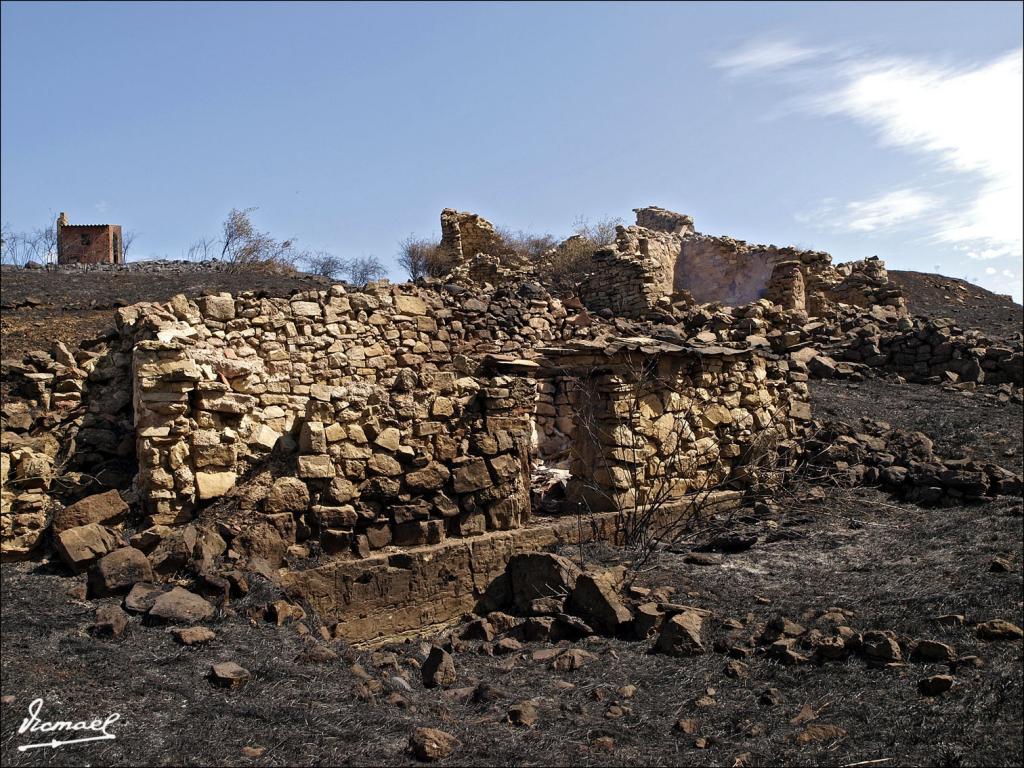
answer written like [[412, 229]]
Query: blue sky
[[858, 128]]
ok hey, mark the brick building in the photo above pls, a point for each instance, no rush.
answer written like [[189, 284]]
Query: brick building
[[88, 243]]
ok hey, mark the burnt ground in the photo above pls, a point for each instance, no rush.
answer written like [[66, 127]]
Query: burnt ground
[[39, 307], [969, 305], [893, 566]]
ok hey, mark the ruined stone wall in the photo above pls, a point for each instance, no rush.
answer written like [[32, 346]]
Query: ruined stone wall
[[662, 220], [630, 278], [662, 258], [656, 421], [394, 442]]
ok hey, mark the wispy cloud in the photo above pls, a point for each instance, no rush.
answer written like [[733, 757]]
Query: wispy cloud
[[888, 211], [893, 209], [765, 55], [968, 119]]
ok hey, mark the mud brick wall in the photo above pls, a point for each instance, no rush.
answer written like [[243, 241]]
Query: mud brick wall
[[89, 244]]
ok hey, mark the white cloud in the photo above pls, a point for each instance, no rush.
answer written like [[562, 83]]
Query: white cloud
[[969, 119], [888, 211], [991, 271], [766, 55]]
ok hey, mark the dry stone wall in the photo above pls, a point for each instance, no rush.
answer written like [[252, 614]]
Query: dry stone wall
[[657, 421], [396, 435], [662, 259]]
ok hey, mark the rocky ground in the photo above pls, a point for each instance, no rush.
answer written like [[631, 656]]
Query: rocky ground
[[857, 556]]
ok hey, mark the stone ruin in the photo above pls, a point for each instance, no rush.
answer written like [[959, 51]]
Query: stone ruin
[[380, 453], [662, 258]]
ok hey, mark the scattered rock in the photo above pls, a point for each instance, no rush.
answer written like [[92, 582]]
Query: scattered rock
[[179, 606], [881, 647], [934, 685], [736, 670], [119, 571], [430, 744], [687, 725], [193, 635], [78, 547], [110, 621], [594, 601], [1000, 565], [999, 629], [681, 635], [438, 669], [524, 713], [228, 674], [771, 697], [572, 659], [106, 507], [540, 574], [142, 596], [930, 650]]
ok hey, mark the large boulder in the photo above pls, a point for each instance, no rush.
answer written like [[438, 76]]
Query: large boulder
[[536, 575], [106, 507], [438, 669], [179, 606], [681, 635], [79, 547], [594, 601], [119, 572]]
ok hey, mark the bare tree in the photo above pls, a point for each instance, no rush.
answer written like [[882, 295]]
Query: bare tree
[[364, 270], [127, 240], [199, 250], [11, 247], [243, 246], [418, 257], [323, 263]]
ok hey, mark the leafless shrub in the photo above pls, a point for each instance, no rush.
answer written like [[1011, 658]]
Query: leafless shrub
[[420, 257], [364, 270], [526, 245], [663, 496], [245, 247], [567, 265], [19, 248], [324, 264], [200, 250]]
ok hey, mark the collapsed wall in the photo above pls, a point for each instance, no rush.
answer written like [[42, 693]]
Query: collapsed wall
[[660, 422], [662, 258]]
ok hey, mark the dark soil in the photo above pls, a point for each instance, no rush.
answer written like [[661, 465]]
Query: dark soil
[[39, 307], [893, 565], [997, 315]]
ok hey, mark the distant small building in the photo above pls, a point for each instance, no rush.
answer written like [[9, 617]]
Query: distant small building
[[88, 243]]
